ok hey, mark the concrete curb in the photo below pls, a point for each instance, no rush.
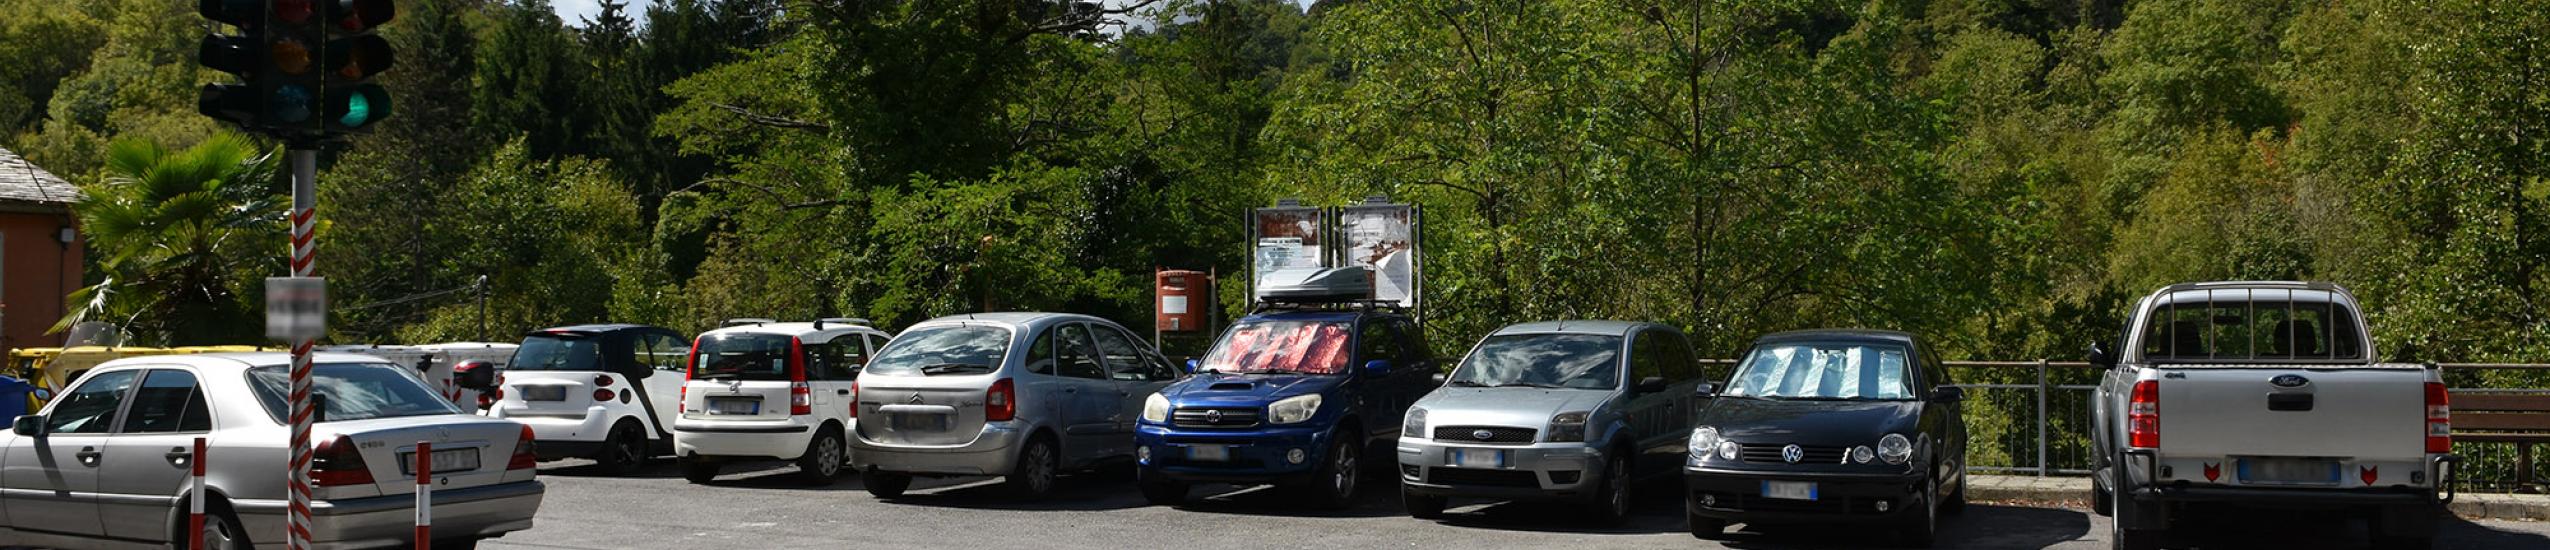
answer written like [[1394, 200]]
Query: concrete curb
[[2075, 491]]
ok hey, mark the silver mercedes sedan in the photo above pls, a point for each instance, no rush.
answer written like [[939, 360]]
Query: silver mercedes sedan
[[106, 464]]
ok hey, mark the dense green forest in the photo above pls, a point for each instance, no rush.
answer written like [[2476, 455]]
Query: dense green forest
[[2004, 176]]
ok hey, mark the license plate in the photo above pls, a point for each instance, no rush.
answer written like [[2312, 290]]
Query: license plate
[[1478, 458], [2289, 471], [1208, 453], [448, 460], [734, 405], [544, 393], [920, 422], [1791, 490]]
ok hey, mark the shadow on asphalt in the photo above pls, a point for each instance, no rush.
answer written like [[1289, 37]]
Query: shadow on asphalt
[[1653, 512], [2321, 530], [1981, 526], [1084, 492], [1377, 498]]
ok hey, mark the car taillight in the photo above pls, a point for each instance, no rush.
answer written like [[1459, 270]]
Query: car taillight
[[801, 399], [854, 399], [604, 395], [488, 400], [2439, 418], [1001, 402], [690, 361], [2142, 415], [601, 380], [525, 456], [336, 462]]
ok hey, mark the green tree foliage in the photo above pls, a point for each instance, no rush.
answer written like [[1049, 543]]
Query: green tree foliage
[[184, 240]]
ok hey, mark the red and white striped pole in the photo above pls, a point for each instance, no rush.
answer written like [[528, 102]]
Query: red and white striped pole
[[424, 495], [195, 500], [305, 221]]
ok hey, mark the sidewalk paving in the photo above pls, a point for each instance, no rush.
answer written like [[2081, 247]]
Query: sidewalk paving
[[2075, 491]]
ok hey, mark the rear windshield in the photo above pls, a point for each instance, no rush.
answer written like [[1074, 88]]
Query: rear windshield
[[1304, 347], [352, 391], [1588, 361], [741, 356], [1823, 371], [558, 352], [2236, 331], [950, 349]]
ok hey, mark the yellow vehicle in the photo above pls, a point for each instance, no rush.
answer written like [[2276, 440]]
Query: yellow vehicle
[[53, 368]]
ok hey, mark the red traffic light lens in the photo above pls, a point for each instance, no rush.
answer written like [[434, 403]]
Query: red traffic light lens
[[291, 11], [358, 15]]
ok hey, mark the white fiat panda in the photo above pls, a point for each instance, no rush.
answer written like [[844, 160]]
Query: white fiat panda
[[760, 389]]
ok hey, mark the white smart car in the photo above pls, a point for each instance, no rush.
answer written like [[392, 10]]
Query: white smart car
[[760, 389], [605, 392]]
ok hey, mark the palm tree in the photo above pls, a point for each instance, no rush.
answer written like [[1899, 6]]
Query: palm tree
[[182, 238]]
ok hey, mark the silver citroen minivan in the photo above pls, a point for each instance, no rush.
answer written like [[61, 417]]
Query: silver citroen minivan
[[1021, 395], [1556, 410]]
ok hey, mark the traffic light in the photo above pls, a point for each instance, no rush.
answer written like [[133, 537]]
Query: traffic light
[[234, 54], [354, 54]]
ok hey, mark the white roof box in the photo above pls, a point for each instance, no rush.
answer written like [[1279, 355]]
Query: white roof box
[[1316, 284]]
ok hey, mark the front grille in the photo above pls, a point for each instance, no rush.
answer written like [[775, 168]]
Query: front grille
[[1747, 502], [1495, 434], [1479, 477], [1214, 418], [1770, 454]]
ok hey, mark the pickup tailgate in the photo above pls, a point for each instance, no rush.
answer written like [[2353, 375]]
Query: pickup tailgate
[[2364, 413]]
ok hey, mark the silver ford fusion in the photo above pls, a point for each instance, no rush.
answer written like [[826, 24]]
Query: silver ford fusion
[[1557, 410], [107, 463]]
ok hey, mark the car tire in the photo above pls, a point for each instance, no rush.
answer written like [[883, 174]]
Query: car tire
[[822, 462], [1422, 506], [2121, 538], [1161, 492], [2102, 499], [1340, 476], [1956, 503], [1038, 466], [1704, 528], [1923, 530], [623, 453], [699, 470], [1612, 499], [884, 484], [222, 530]]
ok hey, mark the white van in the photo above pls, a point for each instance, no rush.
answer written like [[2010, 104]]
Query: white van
[[605, 392], [435, 362], [760, 389]]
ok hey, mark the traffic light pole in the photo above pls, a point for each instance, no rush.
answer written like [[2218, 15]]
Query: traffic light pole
[[305, 221]]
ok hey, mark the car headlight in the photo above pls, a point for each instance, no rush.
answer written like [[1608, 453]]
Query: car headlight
[[1861, 454], [1416, 423], [1568, 427], [1293, 410], [1894, 448], [1155, 409], [1704, 440]]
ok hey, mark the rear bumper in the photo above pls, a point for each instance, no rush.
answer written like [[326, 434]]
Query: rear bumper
[[563, 436], [1537, 471], [2400, 508], [390, 521], [783, 439], [1737, 496], [1261, 455], [991, 453]]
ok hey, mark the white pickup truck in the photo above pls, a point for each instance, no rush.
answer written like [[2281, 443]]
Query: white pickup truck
[[2265, 394]]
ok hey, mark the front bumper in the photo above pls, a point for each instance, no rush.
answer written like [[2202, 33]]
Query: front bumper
[[1737, 496], [390, 521], [990, 453], [776, 439], [1535, 471], [1257, 455]]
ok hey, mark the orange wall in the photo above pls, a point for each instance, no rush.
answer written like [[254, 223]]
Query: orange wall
[[36, 271]]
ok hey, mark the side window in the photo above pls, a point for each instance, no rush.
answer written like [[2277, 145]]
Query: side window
[[90, 407], [1647, 356], [1376, 342], [169, 402], [1124, 359], [1040, 355], [1077, 358], [1412, 346], [640, 355], [670, 352], [832, 360], [1680, 366]]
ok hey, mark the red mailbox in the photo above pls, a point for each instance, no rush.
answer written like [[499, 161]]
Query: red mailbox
[[1184, 299]]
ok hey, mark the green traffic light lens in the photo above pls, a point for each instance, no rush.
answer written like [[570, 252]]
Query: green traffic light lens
[[358, 111]]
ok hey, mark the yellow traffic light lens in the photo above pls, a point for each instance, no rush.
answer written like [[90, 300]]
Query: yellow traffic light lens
[[290, 56]]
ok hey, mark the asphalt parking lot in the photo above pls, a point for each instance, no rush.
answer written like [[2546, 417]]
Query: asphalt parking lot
[[768, 508]]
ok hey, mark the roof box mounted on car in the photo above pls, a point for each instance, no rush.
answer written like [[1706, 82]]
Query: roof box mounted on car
[[746, 321], [851, 321], [1316, 285]]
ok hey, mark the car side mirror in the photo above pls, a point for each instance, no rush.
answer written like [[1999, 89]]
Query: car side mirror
[[1947, 394], [474, 375], [1651, 384], [1706, 389], [1194, 365], [1377, 368], [2099, 356], [30, 425], [1438, 378]]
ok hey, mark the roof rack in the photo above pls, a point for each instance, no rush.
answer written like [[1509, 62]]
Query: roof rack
[[1366, 305], [852, 321], [737, 322]]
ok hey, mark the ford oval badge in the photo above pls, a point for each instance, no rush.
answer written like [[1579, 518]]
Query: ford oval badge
[[1483, 435], [2289, 381]]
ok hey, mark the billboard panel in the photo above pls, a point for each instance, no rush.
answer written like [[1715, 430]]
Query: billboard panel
[[1285, 237], [1384, 238]]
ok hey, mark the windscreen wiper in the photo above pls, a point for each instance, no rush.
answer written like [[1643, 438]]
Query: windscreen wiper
[[945, 368], [1526, 385], [1466, 383]]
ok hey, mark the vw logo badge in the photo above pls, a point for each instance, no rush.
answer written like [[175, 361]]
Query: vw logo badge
[[1483, 435], [1213, 417], [2289, 381], [1792, 453]]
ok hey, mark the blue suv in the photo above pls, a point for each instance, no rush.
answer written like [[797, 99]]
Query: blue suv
[[1297, 397]]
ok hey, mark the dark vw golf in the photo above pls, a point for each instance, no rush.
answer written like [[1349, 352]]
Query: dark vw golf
[[1823, 426]]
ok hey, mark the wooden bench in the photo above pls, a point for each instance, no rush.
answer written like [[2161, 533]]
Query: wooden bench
[[2501, 416]]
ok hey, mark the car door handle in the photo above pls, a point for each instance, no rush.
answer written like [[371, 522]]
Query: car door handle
[[1071, 390], [179, 455], [842, 392], [88, 456]]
